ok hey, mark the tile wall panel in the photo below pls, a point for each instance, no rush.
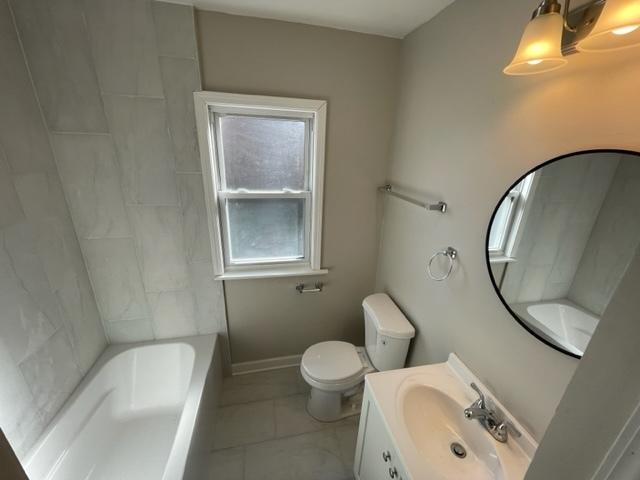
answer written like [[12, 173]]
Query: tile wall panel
[[124, 46], [141, 135], [103, 226], [50, 329], [59, 56], [90, 174]]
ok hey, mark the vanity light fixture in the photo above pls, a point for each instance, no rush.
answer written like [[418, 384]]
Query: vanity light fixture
[[598, 26], [540, 48], [618, 27]]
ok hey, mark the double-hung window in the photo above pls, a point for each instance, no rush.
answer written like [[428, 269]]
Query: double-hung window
[[509, 217], [263, 161]]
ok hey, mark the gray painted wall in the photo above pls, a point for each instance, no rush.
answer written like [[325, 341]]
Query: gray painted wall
[[50, 330], [565, 206], [115, 81], [464, 133], [357, 75], [613, 241]]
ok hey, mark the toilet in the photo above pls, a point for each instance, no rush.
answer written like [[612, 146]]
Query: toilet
[[335, 370]]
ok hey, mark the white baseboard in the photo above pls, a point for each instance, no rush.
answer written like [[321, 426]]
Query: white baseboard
[[266, 364]]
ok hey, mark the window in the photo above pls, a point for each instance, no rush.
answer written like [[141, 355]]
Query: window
[[263, 161], [503, 235]]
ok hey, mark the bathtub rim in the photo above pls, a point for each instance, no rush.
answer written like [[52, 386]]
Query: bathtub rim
[[204, 347], [521, 309]]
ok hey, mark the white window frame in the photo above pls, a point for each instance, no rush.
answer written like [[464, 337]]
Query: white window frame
[[521, 194], [207, 104]]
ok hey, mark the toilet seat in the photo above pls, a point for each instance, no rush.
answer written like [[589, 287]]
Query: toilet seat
[[334, 366]]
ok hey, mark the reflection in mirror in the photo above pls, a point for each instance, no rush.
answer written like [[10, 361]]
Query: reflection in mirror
[[561, 239]]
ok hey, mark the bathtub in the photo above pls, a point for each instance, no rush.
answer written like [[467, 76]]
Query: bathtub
[[143, 412], [561, 321]]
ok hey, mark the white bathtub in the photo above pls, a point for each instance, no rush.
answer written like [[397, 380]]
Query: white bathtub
[[137, 415], [561, 321]]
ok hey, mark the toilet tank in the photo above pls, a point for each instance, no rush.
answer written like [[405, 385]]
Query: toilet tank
[[387, 332]]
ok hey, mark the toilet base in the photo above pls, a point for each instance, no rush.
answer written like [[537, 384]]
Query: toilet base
[[333, 406]]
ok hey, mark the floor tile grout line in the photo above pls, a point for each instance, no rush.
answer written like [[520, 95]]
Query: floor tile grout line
[[262, 400], [251, 444], [326, 426]]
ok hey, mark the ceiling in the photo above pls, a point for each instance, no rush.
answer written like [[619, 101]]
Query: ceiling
[[391, 18]]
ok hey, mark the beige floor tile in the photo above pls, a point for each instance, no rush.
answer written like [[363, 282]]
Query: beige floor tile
[[227, 464], [311, 456], [265, 432], [347, 435], [292, 417], [243, 424], [261, 386]]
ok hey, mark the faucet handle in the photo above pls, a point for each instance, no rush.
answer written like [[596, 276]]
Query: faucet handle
[[512, 429], [503, 430], [481, 400]]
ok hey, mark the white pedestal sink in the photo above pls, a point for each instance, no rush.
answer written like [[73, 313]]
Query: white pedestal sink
[[413, 427]]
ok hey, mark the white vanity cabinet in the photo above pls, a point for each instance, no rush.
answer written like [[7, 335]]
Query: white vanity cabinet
[[376, 457], [412, 427]]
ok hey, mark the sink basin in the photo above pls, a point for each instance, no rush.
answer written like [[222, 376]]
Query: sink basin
[[423, 412], [435, 422]]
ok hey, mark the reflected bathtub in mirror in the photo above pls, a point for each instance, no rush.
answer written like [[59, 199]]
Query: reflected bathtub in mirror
[[561, 238]]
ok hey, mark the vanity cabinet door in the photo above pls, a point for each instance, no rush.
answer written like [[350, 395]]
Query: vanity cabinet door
[[376, 459]]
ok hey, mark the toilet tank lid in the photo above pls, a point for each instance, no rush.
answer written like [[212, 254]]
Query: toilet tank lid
[[389, 320]]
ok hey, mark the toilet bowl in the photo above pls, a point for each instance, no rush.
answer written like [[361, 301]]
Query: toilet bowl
[[335, 370]]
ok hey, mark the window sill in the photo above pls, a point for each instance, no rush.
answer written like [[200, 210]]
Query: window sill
[[271, 273], [501, 259]]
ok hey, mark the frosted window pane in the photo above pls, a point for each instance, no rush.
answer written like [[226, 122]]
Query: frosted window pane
[[266, 229], [263, 153]]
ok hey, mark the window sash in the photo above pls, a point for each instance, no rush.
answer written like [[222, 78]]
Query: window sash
[[217, 113], [225, 194], [226, 227]]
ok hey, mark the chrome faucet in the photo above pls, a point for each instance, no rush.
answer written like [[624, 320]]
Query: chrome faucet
[[491, 420]]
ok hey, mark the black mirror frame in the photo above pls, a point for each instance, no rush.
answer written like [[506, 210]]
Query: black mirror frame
[[486, 247]]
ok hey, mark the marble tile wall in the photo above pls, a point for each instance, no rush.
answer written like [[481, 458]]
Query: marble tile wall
[[567, 200], [50, 328], [103, 226], [126, 149], [614, 241]]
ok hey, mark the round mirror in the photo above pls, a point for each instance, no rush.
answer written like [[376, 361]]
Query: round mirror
[[560, 240]]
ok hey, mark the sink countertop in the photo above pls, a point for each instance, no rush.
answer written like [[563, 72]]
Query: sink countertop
[[449, 381]]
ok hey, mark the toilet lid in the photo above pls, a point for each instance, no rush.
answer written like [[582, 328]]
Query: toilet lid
[[331, 361]]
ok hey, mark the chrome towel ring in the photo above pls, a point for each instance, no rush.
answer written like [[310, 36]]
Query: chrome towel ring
[[451, 253]]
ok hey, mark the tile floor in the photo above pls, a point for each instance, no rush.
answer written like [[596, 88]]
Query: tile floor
[[263, 432]]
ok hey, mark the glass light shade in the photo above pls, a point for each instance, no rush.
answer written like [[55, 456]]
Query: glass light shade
[[618, 27], [540, 47]]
